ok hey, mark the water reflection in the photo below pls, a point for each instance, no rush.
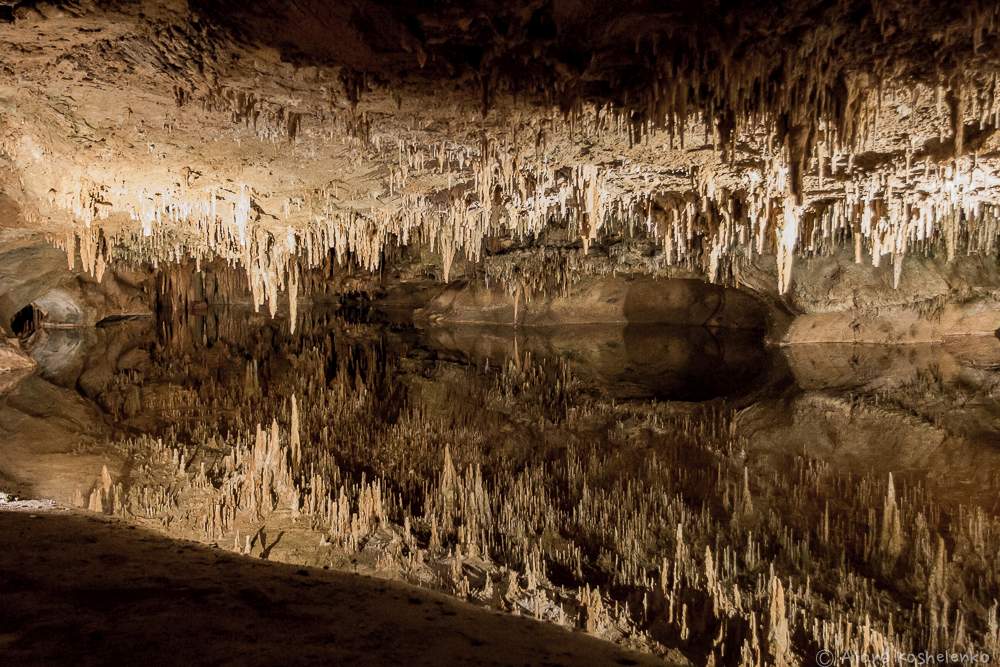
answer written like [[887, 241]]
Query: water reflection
[[658, 486], [61, 353], [625, 362], [959, 360]]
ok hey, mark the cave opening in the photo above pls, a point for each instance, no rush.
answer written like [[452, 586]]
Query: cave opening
[[26, 321]]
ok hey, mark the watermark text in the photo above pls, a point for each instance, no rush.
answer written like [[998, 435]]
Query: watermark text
[[825, 658]]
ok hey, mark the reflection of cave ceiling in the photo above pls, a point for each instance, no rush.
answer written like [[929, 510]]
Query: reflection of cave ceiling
[[720, 130]]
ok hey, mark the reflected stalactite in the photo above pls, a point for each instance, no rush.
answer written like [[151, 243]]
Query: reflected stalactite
[[511, 483]]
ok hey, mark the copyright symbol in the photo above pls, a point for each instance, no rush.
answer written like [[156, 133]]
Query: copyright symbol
[[824, 658]]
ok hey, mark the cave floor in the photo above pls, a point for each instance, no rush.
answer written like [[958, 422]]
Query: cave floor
[[83, 589]]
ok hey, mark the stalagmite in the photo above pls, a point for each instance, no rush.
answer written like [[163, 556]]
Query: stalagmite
[[778, 637]]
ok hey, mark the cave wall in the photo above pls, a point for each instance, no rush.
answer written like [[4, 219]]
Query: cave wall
[[33, 271], [599, 300]]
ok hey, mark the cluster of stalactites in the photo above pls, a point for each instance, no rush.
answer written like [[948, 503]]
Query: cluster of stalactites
[[706, 229], [509, 185]]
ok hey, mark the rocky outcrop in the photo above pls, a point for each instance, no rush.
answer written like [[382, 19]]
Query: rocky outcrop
[[33, 272], [598, 300], [895, 326], [836, 300], [12, 358]]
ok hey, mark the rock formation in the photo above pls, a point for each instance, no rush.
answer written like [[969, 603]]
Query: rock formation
[[520, 145]]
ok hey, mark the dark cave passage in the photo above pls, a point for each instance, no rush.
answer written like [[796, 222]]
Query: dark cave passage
[[26, 321]]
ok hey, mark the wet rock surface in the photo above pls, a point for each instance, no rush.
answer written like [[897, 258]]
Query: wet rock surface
[[13, 358]]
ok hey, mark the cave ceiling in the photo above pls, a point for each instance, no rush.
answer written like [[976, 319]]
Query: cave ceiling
[[274, 134]]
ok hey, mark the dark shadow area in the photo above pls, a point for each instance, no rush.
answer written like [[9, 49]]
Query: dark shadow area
[[135, 597], [111, 320], [26, 321], [632, 362]]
